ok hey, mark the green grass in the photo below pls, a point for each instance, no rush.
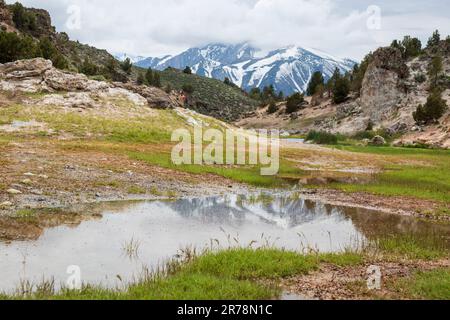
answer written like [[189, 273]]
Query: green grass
[[245, 174], [136, 190], [428, 181], [253, 264], [431, 285], [139, 129], [413, 247], [26, 214], [342, 259], [227, 275]]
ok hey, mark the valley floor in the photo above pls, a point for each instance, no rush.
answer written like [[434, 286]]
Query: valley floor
[[73, 157]]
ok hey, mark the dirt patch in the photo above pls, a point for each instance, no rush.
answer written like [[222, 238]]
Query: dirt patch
[[50, 175], [350, 283]]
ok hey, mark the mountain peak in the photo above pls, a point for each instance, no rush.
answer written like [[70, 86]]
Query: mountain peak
[[288, 69]]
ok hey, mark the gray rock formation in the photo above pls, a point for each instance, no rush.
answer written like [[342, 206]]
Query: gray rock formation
[[382, 88], [39, 75]]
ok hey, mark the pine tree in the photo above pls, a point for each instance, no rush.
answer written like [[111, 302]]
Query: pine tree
[[434, 40], [435, 70], [272, 107], [156, 79], [433, 109], [280, 96], [140, 79], [332, 81], [187, 70], [341, 89], [411, 47], [294, 102], [149, 77], [126, 65], [316, 80]]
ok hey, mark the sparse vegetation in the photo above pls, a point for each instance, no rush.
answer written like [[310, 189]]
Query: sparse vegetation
[[432, 285], [321, 137]]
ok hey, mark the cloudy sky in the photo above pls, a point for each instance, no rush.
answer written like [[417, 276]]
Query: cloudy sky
[[345, 28]]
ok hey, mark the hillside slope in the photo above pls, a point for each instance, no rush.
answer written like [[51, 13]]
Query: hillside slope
[[210, 97]]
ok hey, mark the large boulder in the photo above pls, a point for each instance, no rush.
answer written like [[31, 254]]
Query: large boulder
[[21, 69], [156, 98], [64, 81], [378, 141]]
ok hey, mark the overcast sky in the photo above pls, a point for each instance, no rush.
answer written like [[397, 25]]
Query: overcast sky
[[345, 28]]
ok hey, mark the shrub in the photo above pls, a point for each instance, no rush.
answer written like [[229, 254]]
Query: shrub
[[140, 79], [433, 109], [294, 102], [23, 19], [189, 89], [88, 68], [272, 107], [420, 78], [13, 47], [321, 137], [168, 88]]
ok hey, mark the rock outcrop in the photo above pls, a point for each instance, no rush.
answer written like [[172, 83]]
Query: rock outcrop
[[39, 75], [6, 22], [382, 88]]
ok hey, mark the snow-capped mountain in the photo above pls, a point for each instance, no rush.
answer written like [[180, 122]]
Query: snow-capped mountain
[[133, 58], [288, 69]]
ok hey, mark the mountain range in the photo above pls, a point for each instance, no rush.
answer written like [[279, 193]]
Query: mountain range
[[288, 69]]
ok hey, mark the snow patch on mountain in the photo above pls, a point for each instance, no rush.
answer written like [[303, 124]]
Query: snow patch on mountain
[[288, 69]]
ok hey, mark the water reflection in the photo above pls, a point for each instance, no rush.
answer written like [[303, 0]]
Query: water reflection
[[160, 228]]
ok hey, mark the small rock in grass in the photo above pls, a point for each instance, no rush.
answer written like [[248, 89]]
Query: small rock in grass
[[13, 191], [28, 174], [43, 176], [27, 181], [6, 204]]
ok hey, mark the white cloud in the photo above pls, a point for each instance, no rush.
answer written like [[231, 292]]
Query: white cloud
[[158, 27]]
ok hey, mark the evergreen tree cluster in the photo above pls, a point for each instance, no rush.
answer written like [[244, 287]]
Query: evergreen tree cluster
[[151, 78], [126, 66], [15, 47], [266, 95], [409, 47], [23, 19], [295, 102]]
